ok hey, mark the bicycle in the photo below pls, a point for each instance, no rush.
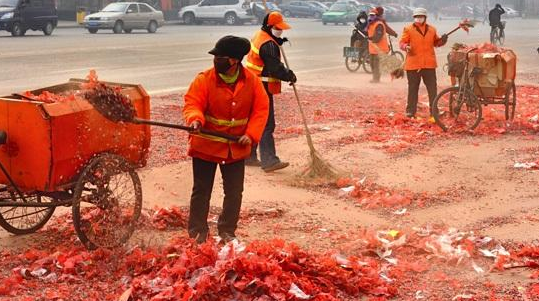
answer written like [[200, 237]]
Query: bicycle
[[497, 34], [460, 107], [357, 56]]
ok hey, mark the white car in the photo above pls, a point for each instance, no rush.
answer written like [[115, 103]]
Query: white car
[[511, 13], [231, 12], [125, 16]]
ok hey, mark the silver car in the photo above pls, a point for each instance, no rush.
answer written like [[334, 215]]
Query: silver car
[[125, 16]]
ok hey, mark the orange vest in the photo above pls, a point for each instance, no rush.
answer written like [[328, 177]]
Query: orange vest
[[422, 54], [256, 64], [242, 110], [382, 45]]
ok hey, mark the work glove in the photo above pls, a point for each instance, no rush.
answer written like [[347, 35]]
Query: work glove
[[395, 35], [292, 77], [196, 125], [444, 38]]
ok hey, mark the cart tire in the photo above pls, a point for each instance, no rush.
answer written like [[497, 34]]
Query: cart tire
[[510, 101], [448, 115], [100, 216], [25, 220]]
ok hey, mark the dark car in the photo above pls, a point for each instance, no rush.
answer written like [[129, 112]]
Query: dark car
[[302, 9], [18, 16], [258, 9]]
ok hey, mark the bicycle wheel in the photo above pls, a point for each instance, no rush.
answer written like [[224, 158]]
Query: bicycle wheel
[[510, 101], [352, 63], [494, 36], [367, 62], [399, 55], [456, 110], [501, 37]]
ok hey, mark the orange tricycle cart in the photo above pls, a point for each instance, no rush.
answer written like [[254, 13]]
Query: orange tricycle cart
[[67, 154]]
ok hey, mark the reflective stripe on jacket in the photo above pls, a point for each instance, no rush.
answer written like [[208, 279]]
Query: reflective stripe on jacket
[[241, 109], [256, 64], [381, 45], [422, 40]]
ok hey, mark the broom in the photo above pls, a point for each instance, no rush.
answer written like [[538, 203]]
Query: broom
[[114, 106], [317, 168]]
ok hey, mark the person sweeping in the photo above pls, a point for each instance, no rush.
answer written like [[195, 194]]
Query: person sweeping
[[264, 60], [419, 40], [229, 99], [378, 43]]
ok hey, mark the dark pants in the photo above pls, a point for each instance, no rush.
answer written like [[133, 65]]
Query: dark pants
[[268, 154], [414, 79], [203, 176], [375, 65]]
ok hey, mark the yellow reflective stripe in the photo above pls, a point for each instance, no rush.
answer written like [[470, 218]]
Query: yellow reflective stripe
[[253, 66], [270, 79], [229, 123], [213, 138], [254, 49]]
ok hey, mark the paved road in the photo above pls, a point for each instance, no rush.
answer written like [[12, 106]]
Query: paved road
[[168, 60]]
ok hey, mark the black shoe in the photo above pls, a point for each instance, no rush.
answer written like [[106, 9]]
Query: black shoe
[[253, 162], [410, 115], [276, 166], [200, 238], [227, 237]]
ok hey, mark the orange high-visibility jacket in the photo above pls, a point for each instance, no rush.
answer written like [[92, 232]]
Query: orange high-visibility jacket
[[422, 40], [241, 110], [382, 45], [256, 64]]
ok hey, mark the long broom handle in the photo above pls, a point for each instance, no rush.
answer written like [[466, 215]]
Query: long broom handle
[[307, 132], [186, 128]]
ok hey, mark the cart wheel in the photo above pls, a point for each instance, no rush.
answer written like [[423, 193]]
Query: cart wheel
[[24, 220], [510, 101], [107, 202], [457, 110], [398, 55]]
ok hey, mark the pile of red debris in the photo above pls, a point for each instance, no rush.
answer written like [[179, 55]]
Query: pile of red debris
[[272, 270]]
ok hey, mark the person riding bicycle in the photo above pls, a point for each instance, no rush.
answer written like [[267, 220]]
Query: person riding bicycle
[[495, 18], [360, 28]]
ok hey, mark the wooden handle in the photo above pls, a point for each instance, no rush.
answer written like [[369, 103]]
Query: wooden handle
[[186, 128]]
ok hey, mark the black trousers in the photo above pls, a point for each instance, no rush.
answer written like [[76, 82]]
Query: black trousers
[[268, 153], [375, 65], [203, 176], [414, 80]]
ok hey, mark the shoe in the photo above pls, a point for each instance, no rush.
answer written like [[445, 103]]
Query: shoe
[[276, 166], [373, 81], [227, 237], [200, 238], [410, 115], [253, 162], [431, 120]]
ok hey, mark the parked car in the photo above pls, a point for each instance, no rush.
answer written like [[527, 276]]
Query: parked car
[[17, 16], [353, 3], [328, 4], [230, 12], [302, 9], [340, 12], [125, 16], [259, 11], [511, 13], [319, 4]]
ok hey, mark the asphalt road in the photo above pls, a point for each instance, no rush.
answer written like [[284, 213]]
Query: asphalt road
[[167, 61]]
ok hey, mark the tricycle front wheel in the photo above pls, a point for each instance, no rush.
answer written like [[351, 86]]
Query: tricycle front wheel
[[456, 110], [107, 202], [24, 220]]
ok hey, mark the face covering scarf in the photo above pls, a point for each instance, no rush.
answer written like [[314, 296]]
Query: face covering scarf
[[276, 32], [230, 79]]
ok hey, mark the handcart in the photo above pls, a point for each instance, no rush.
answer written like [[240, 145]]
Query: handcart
[[479, 79], [67, 154]]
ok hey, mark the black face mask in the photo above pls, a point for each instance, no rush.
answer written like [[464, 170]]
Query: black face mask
[[221, 65]]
